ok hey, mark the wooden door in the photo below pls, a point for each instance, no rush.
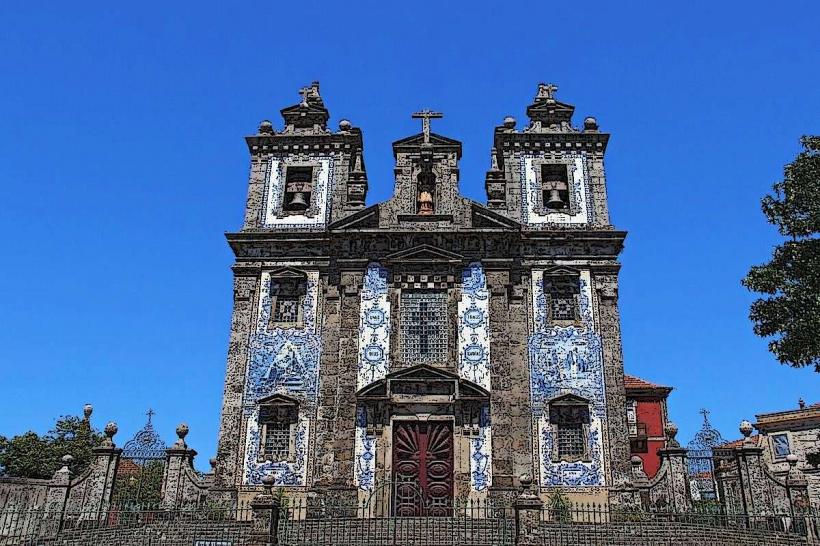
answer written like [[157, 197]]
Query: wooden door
[[423, 468]]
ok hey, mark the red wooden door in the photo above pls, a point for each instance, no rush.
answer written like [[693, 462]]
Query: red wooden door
[[423, 468]]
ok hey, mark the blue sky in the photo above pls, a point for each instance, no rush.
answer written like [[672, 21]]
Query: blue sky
[[123, 162]]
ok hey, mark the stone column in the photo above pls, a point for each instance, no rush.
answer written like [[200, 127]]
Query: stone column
[[265, 509], [177, 459], [228, 468], [674, 457], [609, 320], [527, 506], [632, 494]]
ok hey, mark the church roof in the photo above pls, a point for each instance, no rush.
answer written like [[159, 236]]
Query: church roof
[[633, 383]]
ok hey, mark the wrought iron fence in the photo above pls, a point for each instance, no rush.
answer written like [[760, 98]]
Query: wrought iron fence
[[578, 524], [129, 525], [371, 523]]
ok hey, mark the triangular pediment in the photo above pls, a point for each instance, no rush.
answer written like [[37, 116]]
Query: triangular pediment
[[436, 141], [287, 273], [278, 399], [568, 400], [425, 253], [421, 372], [367, 218], [485, 218], [561, 271]]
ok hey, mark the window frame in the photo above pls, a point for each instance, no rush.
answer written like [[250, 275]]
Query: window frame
[[444, 354], [583, 407], [297, 286], [773, 440], [282, 412], [290, 169], [564, 286], [572, 206]]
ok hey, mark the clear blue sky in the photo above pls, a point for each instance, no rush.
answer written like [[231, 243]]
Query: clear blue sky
[[123, 162]]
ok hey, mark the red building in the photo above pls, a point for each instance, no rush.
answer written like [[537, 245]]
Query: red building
[[647, 416]]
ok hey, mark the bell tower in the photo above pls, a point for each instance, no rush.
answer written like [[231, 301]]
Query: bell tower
[[426, 192]]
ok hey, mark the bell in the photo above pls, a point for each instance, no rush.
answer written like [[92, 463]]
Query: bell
[[425, 203], [298, 202], [555, 201]]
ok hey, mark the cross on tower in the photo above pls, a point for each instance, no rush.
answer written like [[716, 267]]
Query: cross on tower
[[305, 91], [425, 116], [150, 414], [705, 412], [547, 90]]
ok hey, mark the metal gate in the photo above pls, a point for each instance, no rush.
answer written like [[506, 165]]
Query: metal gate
[[138, 482]]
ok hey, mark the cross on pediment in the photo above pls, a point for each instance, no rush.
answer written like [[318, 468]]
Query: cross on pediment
[[547, 90], [425, 116], [305, 91]]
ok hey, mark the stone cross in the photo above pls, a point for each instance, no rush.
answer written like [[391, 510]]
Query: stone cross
[[305, 91], [426, 116], [547, 90]]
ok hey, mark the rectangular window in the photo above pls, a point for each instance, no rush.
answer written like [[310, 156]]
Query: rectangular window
[[276, 445], [424, 332], [287, 298], [562, 295], [570, 440], [780, 442], [631, 418]]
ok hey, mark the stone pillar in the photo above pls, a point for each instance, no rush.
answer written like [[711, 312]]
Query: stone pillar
[[228, 468], [632, 494], [797, 488], [177, 459], [754, 488], [527, 506], [609, 320], [103, 472], [265, 509], [336, 422], [510, 416], [56, 498], [674, 457]]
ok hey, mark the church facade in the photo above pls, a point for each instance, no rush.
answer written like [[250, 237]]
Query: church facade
[[429, 346]]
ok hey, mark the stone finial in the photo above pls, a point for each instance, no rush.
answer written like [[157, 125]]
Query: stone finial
[[110, 430], [212, 462], [182, 432], [671, 430], [345, 125], [801, 403], [791, 458], [268, 480], [67, 459], [509, 122], [265, 127], [590, 124], [746, 429], [88, 409]]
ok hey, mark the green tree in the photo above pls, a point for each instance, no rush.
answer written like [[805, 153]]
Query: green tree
[[30, 455], [790, 314]]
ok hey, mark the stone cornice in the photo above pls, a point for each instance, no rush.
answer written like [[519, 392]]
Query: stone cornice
[[585, 141], [285, 142], [375, 244]]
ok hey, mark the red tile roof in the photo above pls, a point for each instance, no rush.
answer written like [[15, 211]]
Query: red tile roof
[[632, 382], [737, 443]]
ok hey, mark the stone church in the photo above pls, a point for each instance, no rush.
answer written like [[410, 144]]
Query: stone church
[[432, 345]]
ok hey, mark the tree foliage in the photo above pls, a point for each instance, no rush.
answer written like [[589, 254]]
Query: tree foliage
[[30, 455], [790, 312]]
